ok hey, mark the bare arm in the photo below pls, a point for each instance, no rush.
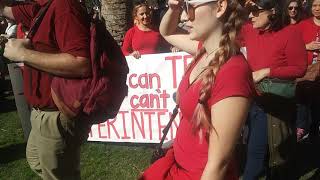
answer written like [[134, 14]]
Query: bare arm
[[61, 64], [168, 29], [227, 116]]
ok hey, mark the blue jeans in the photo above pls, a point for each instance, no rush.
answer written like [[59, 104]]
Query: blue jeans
[[303, 116], [257, 143]]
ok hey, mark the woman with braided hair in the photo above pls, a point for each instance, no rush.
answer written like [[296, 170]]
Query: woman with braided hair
[[275, 53], [214, 94]]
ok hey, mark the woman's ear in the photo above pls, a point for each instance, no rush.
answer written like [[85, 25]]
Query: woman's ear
[[222, 7]]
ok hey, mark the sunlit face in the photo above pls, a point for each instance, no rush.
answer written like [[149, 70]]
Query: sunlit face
[[315, 9], [259, 16], [202, 20], [143, 16], [293, 10]]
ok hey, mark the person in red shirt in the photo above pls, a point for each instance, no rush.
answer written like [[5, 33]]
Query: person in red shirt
[[60, 47], [273, 52], [142, 38], [292, 16], [308, 87], [213, 96]]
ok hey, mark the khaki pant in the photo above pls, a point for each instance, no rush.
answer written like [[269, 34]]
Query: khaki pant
[[53, 149]]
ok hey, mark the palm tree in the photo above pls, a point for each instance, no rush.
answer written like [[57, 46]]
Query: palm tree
[[117, 14]]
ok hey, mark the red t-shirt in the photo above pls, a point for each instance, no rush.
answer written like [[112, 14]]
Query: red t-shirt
[[233, 79], [282, 51], [146, 42], [64, 29], [309, 32]]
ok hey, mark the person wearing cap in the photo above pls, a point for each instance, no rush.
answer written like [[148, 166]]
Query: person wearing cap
[[274, 52]]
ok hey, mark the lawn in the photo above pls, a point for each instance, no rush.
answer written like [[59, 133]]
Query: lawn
[[112, 161]]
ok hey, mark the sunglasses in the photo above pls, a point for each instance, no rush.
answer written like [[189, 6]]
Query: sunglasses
[[254, 9], [190, 5], [292, 8]]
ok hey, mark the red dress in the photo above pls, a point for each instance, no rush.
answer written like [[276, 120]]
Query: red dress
[[188, 157]]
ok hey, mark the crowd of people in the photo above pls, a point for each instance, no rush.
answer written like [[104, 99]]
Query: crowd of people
[[237, 46], [280, 41]]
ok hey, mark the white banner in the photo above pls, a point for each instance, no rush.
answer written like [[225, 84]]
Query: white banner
[[152, 80]]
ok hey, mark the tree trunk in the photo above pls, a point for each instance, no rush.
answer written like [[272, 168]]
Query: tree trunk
[[117, 14]]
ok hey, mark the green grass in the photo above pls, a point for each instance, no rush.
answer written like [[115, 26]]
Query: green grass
[[98, 160], [112, 161]]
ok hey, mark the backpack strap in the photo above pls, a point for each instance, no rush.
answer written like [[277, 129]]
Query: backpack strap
[[166, 129], [31, 33], [38, 20]]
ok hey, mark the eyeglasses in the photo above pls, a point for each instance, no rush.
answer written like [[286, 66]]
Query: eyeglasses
[[254, 9], [190, 5], [293, 8]]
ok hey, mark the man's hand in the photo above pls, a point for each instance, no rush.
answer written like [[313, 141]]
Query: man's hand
[[311, 74], [314, 45], [15, 49], [260, 74]]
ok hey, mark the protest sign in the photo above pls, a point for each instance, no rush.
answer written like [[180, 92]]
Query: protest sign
[[152, 81]]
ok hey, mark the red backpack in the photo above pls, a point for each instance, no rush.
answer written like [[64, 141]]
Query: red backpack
[[99, 97]]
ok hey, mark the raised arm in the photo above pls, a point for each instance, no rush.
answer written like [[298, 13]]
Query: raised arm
[[227, 116], [168, 29]]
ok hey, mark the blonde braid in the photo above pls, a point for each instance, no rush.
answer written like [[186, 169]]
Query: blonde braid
[[232, 21]]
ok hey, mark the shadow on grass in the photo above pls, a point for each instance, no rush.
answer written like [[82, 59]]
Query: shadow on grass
[[7, 105], [308, 158], [316, 175], [12, 152]]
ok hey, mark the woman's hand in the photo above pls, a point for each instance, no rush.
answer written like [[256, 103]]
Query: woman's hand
[[175, 4], [312, 73], [174, 49], [260, 74], [314, 45], [136, 54]]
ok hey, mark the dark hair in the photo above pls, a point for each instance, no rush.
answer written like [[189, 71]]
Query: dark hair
[[286, 17], [275, 19]]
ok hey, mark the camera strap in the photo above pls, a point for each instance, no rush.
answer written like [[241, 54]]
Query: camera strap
[[166, 129]]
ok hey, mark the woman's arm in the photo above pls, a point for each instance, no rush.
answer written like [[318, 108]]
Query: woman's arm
[[127, 42], [227, 116], [168, 29], [296, 58]]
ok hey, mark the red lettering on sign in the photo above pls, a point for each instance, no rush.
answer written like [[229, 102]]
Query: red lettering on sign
[[160, 126], [123, 113], [110, 124], [99, 131], [131, 85], [140, 125], [150, 122], [173, 60]]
